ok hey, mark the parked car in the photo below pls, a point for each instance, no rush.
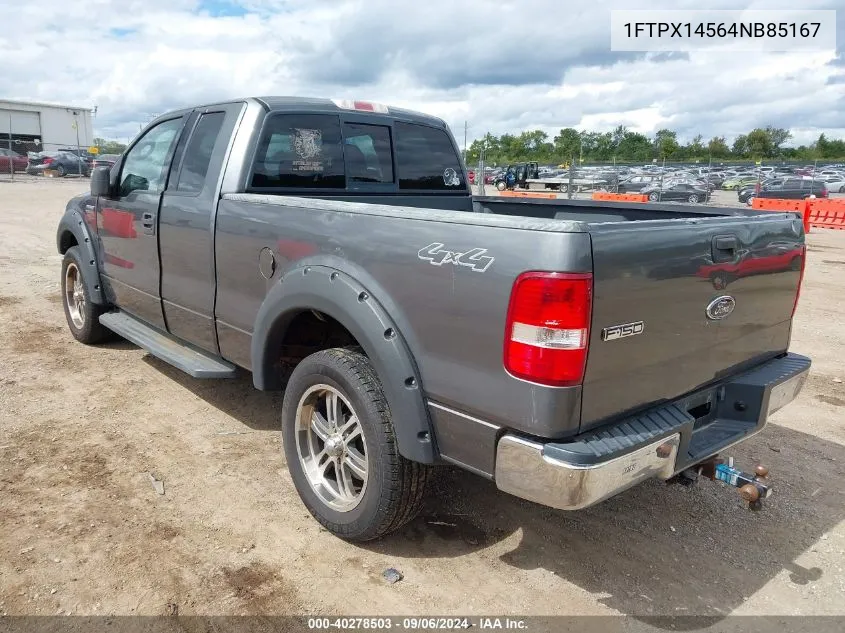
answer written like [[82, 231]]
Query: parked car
[[790, 189], [84, 154], [835, 183], [10, 160], [677, 191], [740, 181], [62, 163], [635, 184], [104, 160], [270, 246]]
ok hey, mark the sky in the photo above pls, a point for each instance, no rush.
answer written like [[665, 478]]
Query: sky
[[498, 66]]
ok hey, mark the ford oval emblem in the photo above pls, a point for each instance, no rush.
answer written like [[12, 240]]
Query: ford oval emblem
[[720, 307]]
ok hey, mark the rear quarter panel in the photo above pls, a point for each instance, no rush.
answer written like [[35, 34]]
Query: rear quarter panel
[[451, 316]]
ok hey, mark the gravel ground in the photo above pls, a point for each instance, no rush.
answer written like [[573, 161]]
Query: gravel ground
[[84, 532]]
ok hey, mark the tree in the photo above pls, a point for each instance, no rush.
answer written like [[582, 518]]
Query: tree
[[109, 147], [777, 136], [567, 144], [666, 143], [696, 148], [634, 147], [759, 144], [740, 146], [718, 148]]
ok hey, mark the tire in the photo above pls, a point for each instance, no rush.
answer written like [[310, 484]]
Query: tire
[[842, 189], [750, 200], [564, 188], [693, 198], [501, 186], [82, 315], [60, 171], [382, 490], [653, 196]]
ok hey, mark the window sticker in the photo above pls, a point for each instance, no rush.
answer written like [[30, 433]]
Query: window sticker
[[308, 146]]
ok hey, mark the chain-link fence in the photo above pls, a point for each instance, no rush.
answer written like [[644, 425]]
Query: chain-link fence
[[715, 182], [26, 159]]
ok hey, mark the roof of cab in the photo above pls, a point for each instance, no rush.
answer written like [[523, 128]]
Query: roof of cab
[[281, 103]]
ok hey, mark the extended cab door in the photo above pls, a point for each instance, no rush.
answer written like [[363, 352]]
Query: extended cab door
[[186, 225], [127, 223]]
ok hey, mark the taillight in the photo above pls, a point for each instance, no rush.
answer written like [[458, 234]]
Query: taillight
[[823, 193], [47, 161], [800, 279], [548, 327]]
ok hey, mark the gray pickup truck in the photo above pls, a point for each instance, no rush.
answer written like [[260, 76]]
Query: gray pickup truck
[[566, 350]]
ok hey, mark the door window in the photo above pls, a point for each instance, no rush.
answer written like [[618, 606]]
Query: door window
[[145, 166], [198, 153]]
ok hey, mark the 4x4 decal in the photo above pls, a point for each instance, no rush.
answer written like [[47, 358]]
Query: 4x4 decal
[[474, 258]]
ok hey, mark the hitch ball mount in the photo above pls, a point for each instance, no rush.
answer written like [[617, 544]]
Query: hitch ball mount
[[753, 488]]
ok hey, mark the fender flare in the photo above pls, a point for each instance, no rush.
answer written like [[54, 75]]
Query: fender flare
[[72, 222], [340, 296]]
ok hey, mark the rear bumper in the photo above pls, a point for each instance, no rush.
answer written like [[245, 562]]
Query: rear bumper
[[657, 443]]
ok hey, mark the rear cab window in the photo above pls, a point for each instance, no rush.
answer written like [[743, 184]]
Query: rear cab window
[[299, 151], [326, 152]]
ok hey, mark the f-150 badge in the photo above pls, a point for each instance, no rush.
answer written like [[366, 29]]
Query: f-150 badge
[[474, 258], [621, 331]]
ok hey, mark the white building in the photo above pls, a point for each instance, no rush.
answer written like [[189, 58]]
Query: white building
[[38, 127]]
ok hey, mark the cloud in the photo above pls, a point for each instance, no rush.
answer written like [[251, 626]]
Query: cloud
[[501, 67]]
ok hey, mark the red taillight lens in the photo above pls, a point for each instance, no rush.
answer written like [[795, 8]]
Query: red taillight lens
[[800, 278], [47, 161], [548, 327]]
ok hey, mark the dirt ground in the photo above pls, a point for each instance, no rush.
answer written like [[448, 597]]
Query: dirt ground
[[82, 531]]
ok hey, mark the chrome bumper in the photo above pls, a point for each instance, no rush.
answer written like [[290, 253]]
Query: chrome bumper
[[617, 460], [523, 470]]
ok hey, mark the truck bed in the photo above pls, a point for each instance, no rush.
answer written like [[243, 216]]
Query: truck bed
[[650, 263]]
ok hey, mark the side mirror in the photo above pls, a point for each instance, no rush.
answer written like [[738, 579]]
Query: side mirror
[[101, 182]]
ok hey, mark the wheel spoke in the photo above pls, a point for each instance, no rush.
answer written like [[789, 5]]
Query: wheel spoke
[[344, 481], [353, 435], [320, 426], [333, 410], [357, 463], [349, 426]]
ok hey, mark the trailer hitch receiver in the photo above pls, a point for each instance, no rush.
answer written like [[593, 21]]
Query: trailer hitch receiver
[[753, 488]]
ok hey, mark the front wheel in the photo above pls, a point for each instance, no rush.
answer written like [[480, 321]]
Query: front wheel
[[693, 198], [501, 186], [341, 448], [82, 315], [654, 196]]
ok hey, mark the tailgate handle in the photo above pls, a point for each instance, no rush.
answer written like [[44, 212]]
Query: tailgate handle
[[724, 248]]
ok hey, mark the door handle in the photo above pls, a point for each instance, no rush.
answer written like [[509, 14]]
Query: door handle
[[724, 248], [148, 220]]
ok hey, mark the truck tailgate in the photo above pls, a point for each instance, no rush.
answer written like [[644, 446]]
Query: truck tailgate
[[658, 278]]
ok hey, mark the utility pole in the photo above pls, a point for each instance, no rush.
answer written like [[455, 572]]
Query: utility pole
[[11, 162]]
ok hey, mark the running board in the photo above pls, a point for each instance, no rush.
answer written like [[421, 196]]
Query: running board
[[167, 348]]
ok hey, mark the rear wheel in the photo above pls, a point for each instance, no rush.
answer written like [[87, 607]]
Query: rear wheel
[[654, 196], [82, 315], [501, 186], [564, 188], [693, 198], [341, 448], [60, 171]]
